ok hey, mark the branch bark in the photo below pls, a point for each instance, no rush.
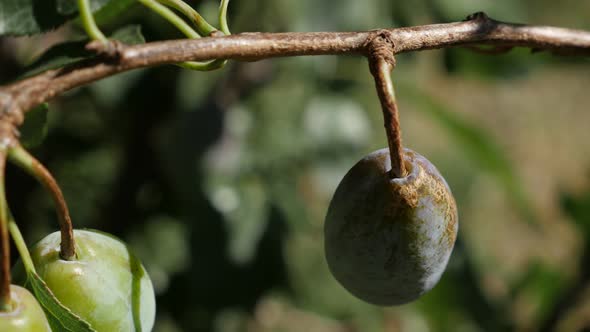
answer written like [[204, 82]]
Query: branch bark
[[478, 29]]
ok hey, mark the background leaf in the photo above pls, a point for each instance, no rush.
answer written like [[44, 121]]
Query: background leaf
[[578, 208], [478, 146], [68, 7], [27, 17], [70, 52], [34, 129], [130, 35]]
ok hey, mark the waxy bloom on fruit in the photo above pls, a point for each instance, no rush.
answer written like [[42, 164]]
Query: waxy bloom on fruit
[[388, 240], [26, 315], [105, 285]]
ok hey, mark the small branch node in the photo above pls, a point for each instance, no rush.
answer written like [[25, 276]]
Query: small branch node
[[477, 16], [216, 33], [8, 135], [381, 46], [5, 102], [113, 49]]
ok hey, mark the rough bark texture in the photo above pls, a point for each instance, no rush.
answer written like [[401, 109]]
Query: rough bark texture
[[477, 29]]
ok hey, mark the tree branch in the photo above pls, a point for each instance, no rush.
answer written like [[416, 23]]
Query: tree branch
[[478, 29]]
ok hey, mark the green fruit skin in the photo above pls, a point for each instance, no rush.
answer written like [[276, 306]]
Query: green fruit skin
[[106, 285], [26, 314], [388, 241]]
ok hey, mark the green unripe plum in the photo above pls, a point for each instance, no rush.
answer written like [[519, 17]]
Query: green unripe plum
[[26, 315], [388, 240], [105, 285]]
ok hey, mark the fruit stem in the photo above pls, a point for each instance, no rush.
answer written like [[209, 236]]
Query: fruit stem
[[20, 244], [223, 17], [202, 25], [381, 63], [5, 298], [158, 7], [26, 161], [88, 22]]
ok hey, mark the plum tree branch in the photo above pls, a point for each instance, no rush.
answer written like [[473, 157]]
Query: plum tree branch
[[477, 30]]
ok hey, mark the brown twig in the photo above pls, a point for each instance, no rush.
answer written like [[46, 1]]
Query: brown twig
[[477, 30], [381, 63]]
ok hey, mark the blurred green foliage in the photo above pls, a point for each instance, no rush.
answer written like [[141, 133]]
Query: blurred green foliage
[[220, 180]]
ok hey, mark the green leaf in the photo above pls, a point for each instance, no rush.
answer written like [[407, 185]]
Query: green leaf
[[34, 129], [58, 56], [27, 17], [70, 52], [130, 35], [113, 10], [109, 13], [68, 7], [60, 317], [479, 147], [243, 202], [542, 285], [578, 208]]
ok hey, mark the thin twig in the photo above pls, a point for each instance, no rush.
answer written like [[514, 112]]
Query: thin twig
[[479, 30]]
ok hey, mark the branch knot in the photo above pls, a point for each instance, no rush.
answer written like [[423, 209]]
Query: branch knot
[[5, 102], [480, 16], [113, 49], [380, 46]]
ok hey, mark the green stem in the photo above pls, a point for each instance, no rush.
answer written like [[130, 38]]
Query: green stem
[[171, 17], [203, 66], [204, 28], [21, 245], [88, 21], [5, 298], [26, 161], [181, 25], [223, 17]]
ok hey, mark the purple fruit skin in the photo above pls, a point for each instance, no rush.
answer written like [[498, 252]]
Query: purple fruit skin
[[388, 241]]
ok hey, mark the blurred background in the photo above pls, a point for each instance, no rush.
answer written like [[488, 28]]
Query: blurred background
[[220, 181]]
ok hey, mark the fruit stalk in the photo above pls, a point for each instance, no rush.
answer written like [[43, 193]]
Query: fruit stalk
[[22, 158], [381, 64], [5, 297], [88, 22], [198, 21], [20, 245]]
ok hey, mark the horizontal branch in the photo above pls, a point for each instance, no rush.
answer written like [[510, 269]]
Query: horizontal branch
[[478, 29]]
